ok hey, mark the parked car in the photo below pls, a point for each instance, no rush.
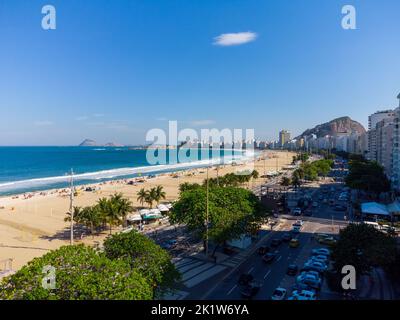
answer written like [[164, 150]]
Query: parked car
[[269, 257], [263, 250], [315, 266], [320, 258], [303, 295], [309, 280], [315, 204], [321, 251], [294, 243], [292, 270], [279, 294]]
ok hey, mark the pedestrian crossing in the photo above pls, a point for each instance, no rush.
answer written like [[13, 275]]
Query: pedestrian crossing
[[194, 271]]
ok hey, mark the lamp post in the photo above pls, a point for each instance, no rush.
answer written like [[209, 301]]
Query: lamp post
[[71, 206], [207, 214]]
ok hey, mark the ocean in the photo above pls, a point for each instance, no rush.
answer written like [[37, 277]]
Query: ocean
[[27, 169]]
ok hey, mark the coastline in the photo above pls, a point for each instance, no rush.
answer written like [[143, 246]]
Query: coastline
[[31, 226]]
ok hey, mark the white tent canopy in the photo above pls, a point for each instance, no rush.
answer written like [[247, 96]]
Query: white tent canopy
[[374, 208], [162, 208]]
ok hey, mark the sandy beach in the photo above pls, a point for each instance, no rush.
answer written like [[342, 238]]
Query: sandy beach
[[32, 225]]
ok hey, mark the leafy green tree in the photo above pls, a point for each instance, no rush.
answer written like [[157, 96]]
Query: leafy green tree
[[143, 255], [368, 176], [80, 274], [142, 196], [232, 212], [186, 186], [363, 247]]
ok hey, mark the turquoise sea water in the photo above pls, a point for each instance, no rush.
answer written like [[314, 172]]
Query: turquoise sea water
[[25, 169]]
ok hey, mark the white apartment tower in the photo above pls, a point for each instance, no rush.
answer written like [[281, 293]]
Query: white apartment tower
[[396, 150]]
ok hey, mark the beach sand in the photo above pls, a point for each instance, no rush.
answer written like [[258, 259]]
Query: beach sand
[[31, 227]]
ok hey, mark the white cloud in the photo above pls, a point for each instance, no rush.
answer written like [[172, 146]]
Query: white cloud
[[43, 123], [234, 39]]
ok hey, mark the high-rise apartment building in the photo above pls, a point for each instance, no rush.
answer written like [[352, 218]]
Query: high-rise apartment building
[[284, 138], [395, 170]]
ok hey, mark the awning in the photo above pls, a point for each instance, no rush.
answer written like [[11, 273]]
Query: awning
[[374, 208]]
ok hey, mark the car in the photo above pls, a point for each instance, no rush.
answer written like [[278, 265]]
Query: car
[[303, 295], [340, 208], [269, 257], [263, 250], [319, 236], [245, 279], [276, 242], [325, 201], [287, 237], [328, 241], [292, 270], [301, 286], [315, 204], [309, 280], [250, 290], [298, 223], [321, 251], [315, 274], [320, 258], [296, 229], [331, 202], [297, 211], [312, 265], [294, 243], [279, 294]]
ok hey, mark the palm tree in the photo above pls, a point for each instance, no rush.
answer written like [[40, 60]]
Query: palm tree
[[109, 212], [122, 205], [77, 215], [142, 196], [285, 181], [91, 218], [151, 197], [159, 194]]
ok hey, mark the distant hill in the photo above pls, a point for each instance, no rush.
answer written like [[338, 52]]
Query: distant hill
[[338, 125], [88, 143], [92, 143]]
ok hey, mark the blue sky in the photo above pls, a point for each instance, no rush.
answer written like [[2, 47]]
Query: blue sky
[[114, 69]]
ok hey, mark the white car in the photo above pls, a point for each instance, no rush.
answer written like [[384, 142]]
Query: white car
[[323, 251], [315, 265], [298, 223], [303, 295], [320, 258], [279, 294], [296, 211]]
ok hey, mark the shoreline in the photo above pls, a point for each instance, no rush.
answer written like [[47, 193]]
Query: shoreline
[[32, 226], [48, 183]]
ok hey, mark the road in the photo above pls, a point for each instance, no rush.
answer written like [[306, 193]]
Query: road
[[274, 275]]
